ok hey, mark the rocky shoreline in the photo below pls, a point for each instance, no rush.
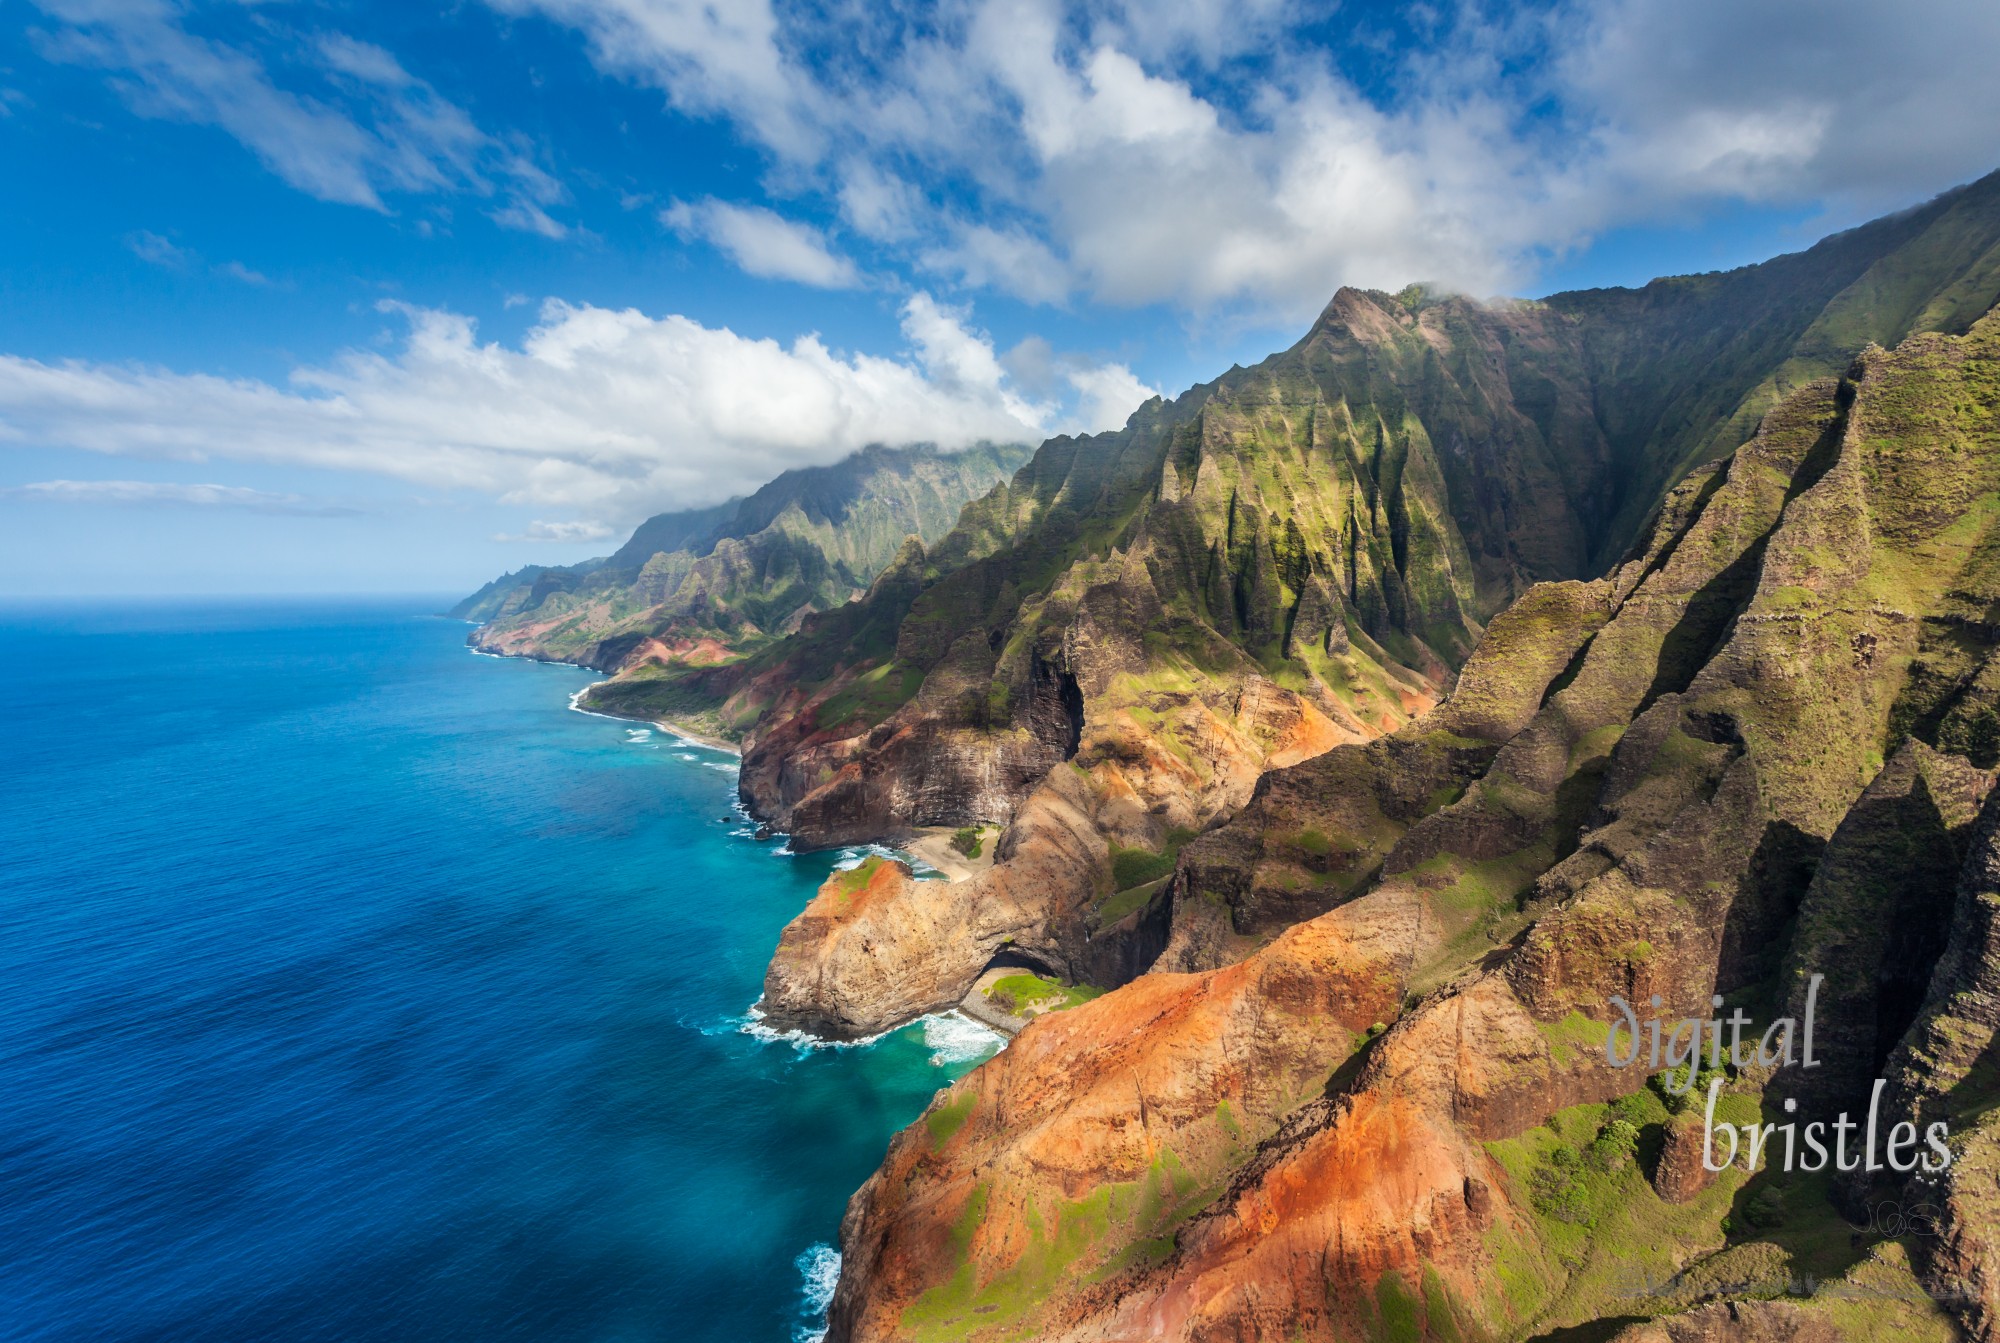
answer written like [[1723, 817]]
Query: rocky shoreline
[[982, 1010]]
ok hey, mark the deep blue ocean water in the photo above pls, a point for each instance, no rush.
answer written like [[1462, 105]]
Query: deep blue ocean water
[[353, 988]]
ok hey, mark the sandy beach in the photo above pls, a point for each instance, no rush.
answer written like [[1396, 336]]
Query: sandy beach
[[933, 845], [688, 734]]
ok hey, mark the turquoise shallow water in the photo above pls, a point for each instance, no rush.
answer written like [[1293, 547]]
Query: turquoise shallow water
[[353, 988]]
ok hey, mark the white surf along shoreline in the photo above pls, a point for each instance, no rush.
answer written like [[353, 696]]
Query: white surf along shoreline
[[681, 731], [953, 1036]]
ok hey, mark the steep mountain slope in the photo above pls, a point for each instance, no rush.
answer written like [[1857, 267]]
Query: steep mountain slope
[[1283, 538], [1375, 1102], [1683, 369], [693, 529], [507, 594], [530, 585], [1338, 521], [1107, 654], [702, 586]]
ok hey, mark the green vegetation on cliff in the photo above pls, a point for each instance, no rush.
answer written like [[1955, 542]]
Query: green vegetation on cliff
[[1027, 992], [1339, 521]]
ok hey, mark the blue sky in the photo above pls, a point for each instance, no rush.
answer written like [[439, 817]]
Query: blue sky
[[352, 296]]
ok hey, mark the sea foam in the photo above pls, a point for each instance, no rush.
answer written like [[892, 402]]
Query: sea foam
[[751, 1023], [953, 1037], [855, 856], [819, 1267]]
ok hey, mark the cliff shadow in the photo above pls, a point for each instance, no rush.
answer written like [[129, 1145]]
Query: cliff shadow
[[1756, 929]]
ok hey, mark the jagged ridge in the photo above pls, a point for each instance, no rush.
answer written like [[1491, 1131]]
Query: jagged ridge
[[1338, 521]]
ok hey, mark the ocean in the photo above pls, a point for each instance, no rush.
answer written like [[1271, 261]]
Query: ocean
[[352, 987]]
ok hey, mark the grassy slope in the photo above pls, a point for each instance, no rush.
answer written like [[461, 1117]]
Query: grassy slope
[[1687, 366]]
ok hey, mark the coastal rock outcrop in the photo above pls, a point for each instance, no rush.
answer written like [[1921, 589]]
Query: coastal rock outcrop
[[1058, 895]]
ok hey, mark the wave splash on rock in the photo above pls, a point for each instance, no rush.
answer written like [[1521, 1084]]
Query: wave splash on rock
[[819, 1266]]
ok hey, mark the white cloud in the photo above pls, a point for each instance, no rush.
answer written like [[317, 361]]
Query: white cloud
[[539, 530], [763, 243], [372, 129], [603, 411], [1102, 395], [154, 250], [172, 74], [1205, 154], [168, 255], [1869, 105], [236, 270], [528, 217], [1012, 261], [961, 361], [1069, 163], [878, 204], [709, 57], [145, 493], [1107, 394]]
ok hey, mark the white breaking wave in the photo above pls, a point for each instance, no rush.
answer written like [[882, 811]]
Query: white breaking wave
[[592, 713], [851, 858], [953, 1037], [751, 1023], [819, 1266], [696, 742]]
